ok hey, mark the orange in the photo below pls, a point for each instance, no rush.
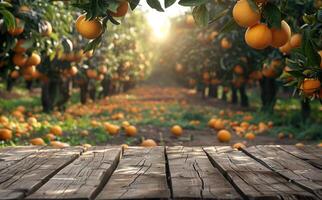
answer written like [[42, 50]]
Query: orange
[[296, 40], [58, 144], [34, 59], [244, 15], [89, 29], [19, 59], [5, 134], [149, 143], [30, 70], [19, 47], [73, 71], [84, 133], [258, 36], [24, 9], [112, 129], [121, 9], [320, 144], [102, 69], [38, 142], [286, 49], [48, 29], [56, 130], [130, 131], [299, 145], [269, 72], [50, 136], [212, 35], [91, 73], [211, 123], [125, 124], [18, 29], [219, 124], [225, 43], [176, 130], [309, 86], [250, 136], [281, 36], [124, 146], [190, 21], [238, 69], [14, 74], [86, 146], [224, 136], [239, 145]]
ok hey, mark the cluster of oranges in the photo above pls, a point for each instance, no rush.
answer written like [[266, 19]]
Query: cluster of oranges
[[93, 28], [259, 35]]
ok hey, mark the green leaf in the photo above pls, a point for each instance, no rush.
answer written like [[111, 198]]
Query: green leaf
[[229, 26], [168, 3], [192, 2], [201, 15], [273, 15], [134, 4], [9, 18], [253, 5], [155, 4]]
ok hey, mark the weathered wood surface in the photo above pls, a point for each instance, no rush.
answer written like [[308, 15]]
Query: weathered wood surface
[[260, 172], [141, 174], [193, 176], [84, 177], [310, 154], [11, 155], [29, 173], [288, 166], [253, 180]]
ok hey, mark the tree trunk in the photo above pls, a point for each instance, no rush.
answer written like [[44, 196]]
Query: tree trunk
[[305, 109], [29, 85], [83, 92], [48, 95], [243, 96], [65, 87], [92, 90], [106, 84], [234, 97], [213, 91], [10, 84], [268, 93]]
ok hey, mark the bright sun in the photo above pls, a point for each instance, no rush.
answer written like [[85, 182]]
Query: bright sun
[[160, 24]]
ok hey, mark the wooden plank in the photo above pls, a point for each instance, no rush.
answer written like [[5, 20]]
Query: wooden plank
[[11, 194], [310, 154], [11, 155], [194, 177], [288, 166], [30, 173], [83, 178], [252, 179], [140, 174]]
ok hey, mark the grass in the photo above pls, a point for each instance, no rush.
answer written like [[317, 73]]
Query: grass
[[286, 119]]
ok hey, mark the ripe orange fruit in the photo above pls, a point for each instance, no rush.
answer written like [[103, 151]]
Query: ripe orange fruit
[[56, 130], [244, 15], [286, 49], [18, 29], [48, 29], [309, 86], [102, 69], [320, 144], [211, 123], [176, 130], [124, 146], [212, 35], [190, 21], [112, 129], [238, 69], [14, 74], [121, 9], [5, 134], [296, 40], [34, 59], [250, 136], [269, 72], [148, 143], [91, 73], [89, 29], [239, 145], [258, 36], [18, 48], [19, 59], [219, 124], [281, 36], [125, 124], [50, 136], [130, 131], [225, 43], [29, 70], [59, 144], [224, 136], [73, 71], [299, 145], [38, 142]]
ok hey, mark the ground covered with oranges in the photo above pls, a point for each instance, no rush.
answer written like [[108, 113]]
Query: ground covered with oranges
[[151, 115]]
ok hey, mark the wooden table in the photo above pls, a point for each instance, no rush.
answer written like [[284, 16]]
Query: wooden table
[[259, 172]]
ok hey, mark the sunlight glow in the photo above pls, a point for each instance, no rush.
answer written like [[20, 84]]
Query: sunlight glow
[[160, 22]]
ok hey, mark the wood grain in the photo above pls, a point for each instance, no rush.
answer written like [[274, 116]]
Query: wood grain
[[288, 166], [83, 178], [194, 177], [31, 172], [252, 179], [141, 174]]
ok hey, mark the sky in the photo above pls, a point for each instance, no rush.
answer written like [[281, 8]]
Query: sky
[[160, 21]]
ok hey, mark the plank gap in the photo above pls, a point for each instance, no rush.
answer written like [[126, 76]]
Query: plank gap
[[225, 175], [168, 174]]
